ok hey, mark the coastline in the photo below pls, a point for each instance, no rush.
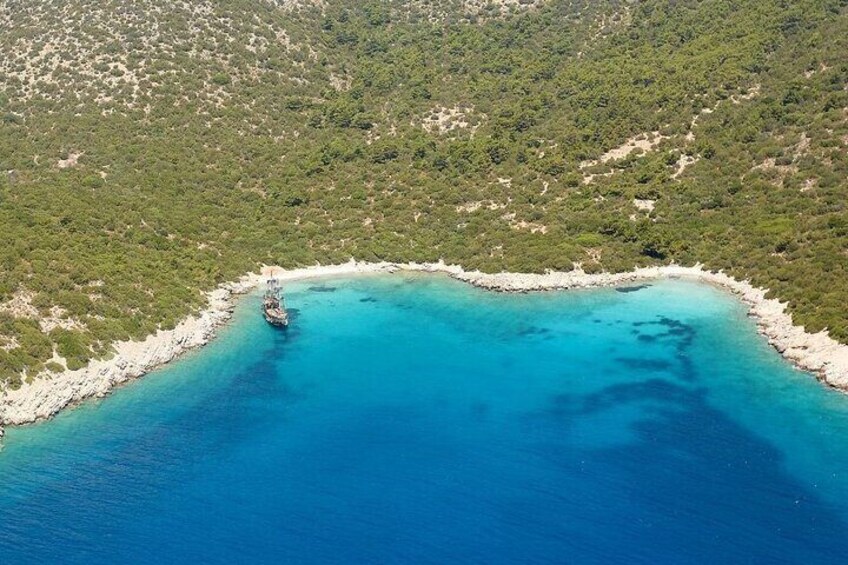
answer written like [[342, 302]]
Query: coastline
[[48, 394]]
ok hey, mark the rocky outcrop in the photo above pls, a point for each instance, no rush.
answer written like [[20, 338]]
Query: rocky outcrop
[[49, 393]]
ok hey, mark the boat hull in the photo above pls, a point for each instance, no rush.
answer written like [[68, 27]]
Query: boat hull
[[277, 321]]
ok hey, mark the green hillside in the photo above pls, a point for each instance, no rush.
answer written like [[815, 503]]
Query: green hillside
[[151, 150]]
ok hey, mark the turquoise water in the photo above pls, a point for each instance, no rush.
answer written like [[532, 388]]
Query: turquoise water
[[415, 419]]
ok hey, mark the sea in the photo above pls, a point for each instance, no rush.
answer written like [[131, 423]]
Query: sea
[[415, 419]]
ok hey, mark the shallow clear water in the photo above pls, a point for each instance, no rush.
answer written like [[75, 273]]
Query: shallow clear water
[[416, 419]]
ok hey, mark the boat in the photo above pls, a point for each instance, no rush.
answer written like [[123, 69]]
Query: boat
[[274, 305]]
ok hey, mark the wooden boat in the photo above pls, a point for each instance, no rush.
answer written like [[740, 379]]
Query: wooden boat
[[274, 305]]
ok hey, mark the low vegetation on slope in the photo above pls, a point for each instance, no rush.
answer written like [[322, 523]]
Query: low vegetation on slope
[[151, 150]]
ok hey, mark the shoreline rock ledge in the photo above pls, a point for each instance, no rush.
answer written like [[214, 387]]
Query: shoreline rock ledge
[[49, 393], [817, 353]]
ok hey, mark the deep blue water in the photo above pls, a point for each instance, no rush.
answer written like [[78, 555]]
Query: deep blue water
[[414, 419]]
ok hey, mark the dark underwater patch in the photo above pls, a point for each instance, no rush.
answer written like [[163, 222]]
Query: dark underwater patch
[[533, 330], [368, 299], [681, 334], [635, 288], [649, 390], [294, 315], [565, 406], [644, 364], [323, 288]]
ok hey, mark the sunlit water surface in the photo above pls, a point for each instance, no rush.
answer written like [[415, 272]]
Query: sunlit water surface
[[416, 419]]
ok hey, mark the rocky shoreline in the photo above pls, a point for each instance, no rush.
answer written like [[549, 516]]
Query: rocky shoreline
[[48, 394], [817, 353]]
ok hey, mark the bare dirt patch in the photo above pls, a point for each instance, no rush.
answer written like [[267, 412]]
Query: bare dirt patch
[[643, 143], [442, 120]]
